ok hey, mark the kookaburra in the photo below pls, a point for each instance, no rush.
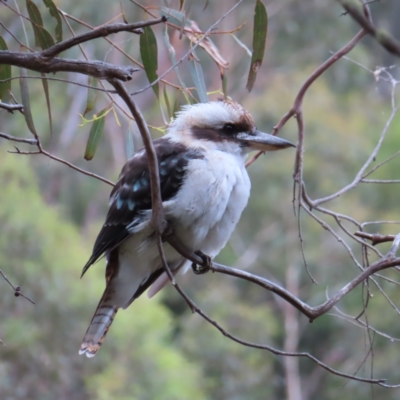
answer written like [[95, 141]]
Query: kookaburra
[[204, 189]]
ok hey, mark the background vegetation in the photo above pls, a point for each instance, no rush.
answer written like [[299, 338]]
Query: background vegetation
[[158, 349]]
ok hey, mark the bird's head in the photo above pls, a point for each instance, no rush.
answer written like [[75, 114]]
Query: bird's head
[[222, 125]]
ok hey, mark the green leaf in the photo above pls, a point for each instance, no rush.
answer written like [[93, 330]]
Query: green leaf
[[43, 39], [54, 13], [129, 145], [26, 102], [96, 131], [224, 86], [259, 39], [46, 93], [92, 95], [149, 54], [198, 79], [5, 73]]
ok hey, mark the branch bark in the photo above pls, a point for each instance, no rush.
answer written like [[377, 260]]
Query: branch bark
[[37, 62], [384, 38], [11, 107], [158, 220], [102, 31]]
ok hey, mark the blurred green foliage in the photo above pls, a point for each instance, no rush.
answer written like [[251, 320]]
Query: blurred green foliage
[[43, 253]]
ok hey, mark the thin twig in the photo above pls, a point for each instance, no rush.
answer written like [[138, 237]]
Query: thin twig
[[62, 161], [362, 170], [375, 238], [58, 80], [17, 139], [17, 289], [384, 181]]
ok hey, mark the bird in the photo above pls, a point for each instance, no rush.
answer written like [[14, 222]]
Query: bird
[[204, 188]]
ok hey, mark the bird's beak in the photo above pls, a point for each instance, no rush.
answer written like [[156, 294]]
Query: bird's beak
[[265, 142], [257, 140]]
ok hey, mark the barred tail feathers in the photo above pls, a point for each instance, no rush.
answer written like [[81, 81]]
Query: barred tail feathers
[[98, 327]]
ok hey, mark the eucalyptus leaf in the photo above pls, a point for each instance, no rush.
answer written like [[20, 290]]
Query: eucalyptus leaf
[[149, 54], [259, 39], [96, 132], [54, 13], [5, 73]]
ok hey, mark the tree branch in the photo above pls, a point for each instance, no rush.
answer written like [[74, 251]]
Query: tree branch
[[384, 38], [264, 283], [11, 107], [39, 63], [158, 219], [17, 289], [102, 31], [298, 102], [311, 312], [37, 143], [17, 139]]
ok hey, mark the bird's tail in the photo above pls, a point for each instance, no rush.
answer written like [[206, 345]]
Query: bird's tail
[[99, 326]]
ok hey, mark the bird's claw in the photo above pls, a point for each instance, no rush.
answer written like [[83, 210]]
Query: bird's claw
[[202, 269]]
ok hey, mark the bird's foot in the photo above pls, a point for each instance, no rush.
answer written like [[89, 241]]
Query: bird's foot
[[202, 269]]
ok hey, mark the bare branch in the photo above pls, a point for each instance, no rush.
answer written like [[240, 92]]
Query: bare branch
[[58, 80], [102, 31], [311, 312], [298, 102], [66, 15], [384, 181], [62, 161], [375, 238], [17, 139], [158, 219], [36, 62], [358, 178], [264, 283], [384, 38], [17, 289], [11, 107]]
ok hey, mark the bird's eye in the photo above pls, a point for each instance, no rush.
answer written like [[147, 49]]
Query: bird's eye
[[228, 127]]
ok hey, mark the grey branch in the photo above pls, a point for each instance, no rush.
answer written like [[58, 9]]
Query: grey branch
[[17, 289], [39, 63], [386, 40], [11, 107], [311, 312], [17, 139], [102, 31], [158, 219]]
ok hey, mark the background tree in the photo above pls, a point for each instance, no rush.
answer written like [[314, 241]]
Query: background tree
[[346, 124]]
